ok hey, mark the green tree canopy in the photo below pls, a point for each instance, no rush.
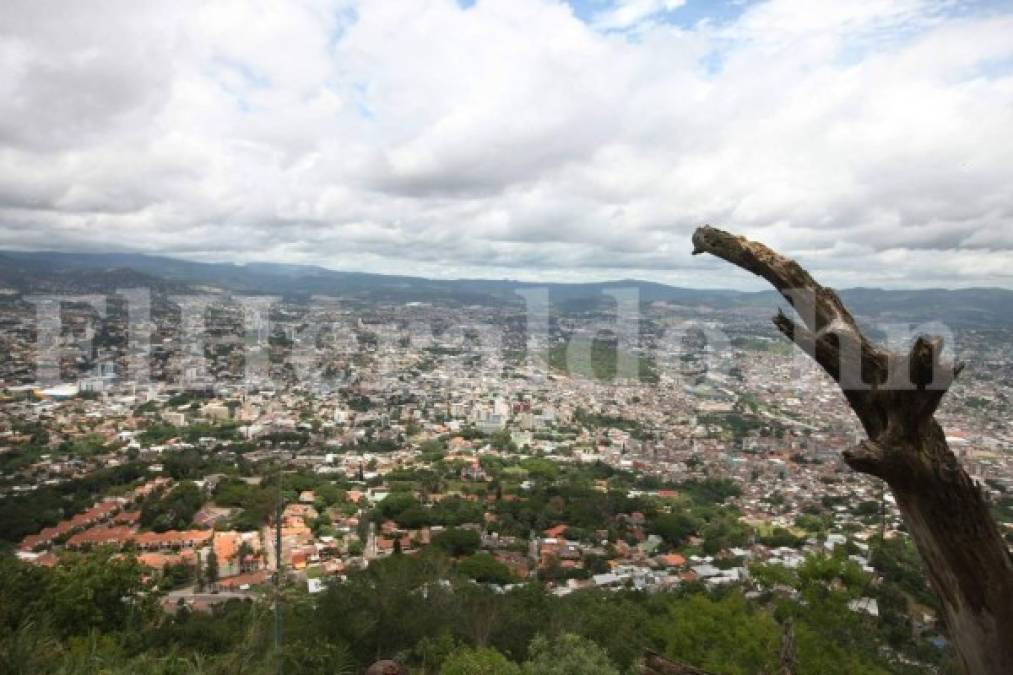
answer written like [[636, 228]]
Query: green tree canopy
[[457, 541], [484, 568], [569, 654], [478, 661]]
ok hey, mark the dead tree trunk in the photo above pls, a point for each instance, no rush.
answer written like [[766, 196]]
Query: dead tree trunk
[[895, 397]]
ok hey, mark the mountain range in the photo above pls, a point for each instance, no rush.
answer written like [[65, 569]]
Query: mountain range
[[41, 271]]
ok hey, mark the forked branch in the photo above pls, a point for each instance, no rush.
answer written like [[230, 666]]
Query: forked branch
[[873, 378], [832, 333]]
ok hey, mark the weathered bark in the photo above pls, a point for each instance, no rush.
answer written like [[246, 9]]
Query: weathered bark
[[895, 397]]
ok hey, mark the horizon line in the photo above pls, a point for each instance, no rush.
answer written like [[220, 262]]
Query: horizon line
[[463, 279]]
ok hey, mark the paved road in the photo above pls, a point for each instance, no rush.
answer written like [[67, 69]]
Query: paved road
[[187, 594]]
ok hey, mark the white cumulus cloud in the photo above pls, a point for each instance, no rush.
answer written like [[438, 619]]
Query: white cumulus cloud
[[873, 139]]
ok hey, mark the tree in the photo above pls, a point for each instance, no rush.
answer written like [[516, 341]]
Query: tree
[[244, 554], [674, 527], [22, 588], [502, 441], [95, 591], [396, 504], [484, 568], [722, 636], [779, 536], [326, 657], [479, 661], [329, 494], [173, 510], [321, 524], [540, 468], [768, 576], [212, 566], [568, 654], [457, 541], [723, 532], [175, 576], [895, 396]]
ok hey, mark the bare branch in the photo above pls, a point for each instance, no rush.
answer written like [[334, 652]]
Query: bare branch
[[783, 273], [867, 457], [831, 336], [832, 330]]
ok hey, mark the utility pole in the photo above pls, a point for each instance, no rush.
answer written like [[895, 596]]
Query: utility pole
[[787, 655]]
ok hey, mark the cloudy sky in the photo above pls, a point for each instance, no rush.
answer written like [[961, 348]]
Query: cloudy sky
[[531, 139]]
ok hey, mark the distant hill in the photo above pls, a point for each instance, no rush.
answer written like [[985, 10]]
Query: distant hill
[[97, 272], [30, 274]]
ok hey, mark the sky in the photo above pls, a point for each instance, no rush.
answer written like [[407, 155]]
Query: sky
[[525, 139]]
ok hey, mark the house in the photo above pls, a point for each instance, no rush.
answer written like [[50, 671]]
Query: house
[[159, 561], [671, 560], [127, 518], [173, 539], [385, 545], [209, 516], [103, 535], [96, 514], [240, 580], [557, 531], [705, 570], [299, 512], [226, 548], [867, 605], [607, 579]]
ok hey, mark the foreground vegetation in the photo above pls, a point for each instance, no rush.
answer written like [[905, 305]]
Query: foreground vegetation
[[453, 608], [95, 613]]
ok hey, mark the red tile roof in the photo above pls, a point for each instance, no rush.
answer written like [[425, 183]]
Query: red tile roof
[[102, 535], [673, 560], [173, 538], [557, 531], [251, 578], [226, 546], [159, 560], [95, 514]]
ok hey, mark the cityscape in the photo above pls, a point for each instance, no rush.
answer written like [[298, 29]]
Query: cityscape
[[506, 337], [294, 446]]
